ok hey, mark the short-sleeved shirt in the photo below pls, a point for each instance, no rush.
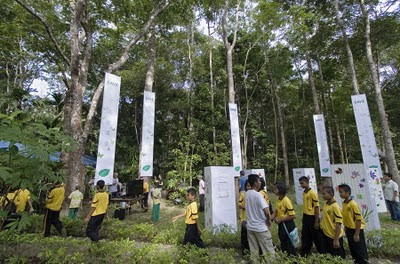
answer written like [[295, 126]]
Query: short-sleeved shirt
[[55, 198], [242, 182], [157, 196], [331, 215], [146, 187], [202, 187], [351, 213], [390, 188], [310, 201], [76, 198], [114, 187], [10, 197], [242, 202], [284, 207], [255, 216], [22, 198], [192, 214], [100, 202], [265, 195]]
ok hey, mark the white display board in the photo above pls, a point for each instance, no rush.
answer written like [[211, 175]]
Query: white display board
[[310, 174], [322, 145], [356, 177], [220, 199], [147, 144], [259, 172], [369, 149], [108, 129], [235, 139]]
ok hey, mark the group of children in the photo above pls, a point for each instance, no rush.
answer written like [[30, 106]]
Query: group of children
[[326, 234]]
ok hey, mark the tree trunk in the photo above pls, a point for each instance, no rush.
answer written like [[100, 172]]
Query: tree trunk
[[276, 161], [387, 136], [214, 132], [312, 84], [352, 69]]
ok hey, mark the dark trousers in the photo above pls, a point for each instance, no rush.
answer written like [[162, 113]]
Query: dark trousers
[[201, 208], [244, 242], [309, 235], [52, 218], [145, 200], [192, 236], [93, 227], [358, 249], [394, 210], [327, 245], [286, 243]]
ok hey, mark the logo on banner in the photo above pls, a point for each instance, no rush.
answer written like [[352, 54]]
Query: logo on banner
[[146, 168], [237, 168], [104, 173], [325, 169]]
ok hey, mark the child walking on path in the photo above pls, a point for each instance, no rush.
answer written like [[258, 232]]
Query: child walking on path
[[193, 232], [331, 225], [54, 202], [310, 231], [97, 212], [243, 235], [284, 215], [354, 226], [156, 203], [76, 198]]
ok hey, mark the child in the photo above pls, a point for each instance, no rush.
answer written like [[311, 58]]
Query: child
[[331, 225], [193, 232], [243, 235], [97, 212], [76, 203], [156, 203], [54, 202], [354, 226], [284, 215], [310, 224], [265, 195], [23, 198]]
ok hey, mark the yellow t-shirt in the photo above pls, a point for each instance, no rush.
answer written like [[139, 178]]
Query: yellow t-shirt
[[145, 187], [310, 201], [331, 215], [242, 202], [100, 202], [191, 215], [351, 213], [10, 196], [21, 200], [265, 195], [284, 207], [76, 198], [55, 198]]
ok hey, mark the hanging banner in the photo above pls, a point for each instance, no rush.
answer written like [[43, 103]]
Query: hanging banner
[[235, 138], [369, 149], [108, 129], [322, 145], [356, 176], [310, 174], [147, 145]]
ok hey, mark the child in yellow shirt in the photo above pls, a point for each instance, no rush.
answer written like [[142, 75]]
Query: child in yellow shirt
[[193, 232]]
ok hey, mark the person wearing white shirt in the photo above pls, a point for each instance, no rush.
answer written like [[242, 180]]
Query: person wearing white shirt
[[113, 188], [202, 192], [258, 219], [391, 194]]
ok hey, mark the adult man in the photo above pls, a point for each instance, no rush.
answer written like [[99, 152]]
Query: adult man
[[391, 194], [242, 181], [113, 188], [258, 219], [202, 191]]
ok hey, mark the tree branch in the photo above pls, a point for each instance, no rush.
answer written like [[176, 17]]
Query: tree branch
[[118, 64], [48, 29]]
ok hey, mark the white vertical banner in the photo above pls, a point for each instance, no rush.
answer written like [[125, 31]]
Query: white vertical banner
[[235, 138], [147, 144], [369, 149], [108, 129], [356, 176], [310, 174], [322, 145]]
